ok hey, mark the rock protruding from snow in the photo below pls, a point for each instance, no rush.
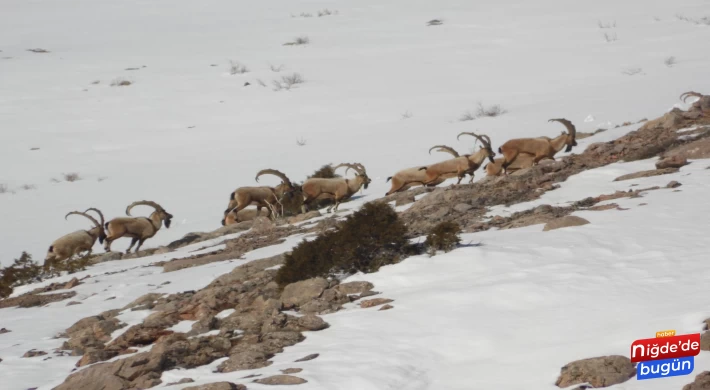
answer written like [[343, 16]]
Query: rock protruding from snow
[[672, 162], [354, 287], [3, 331], [104, 257], [307, 358], [300, 293], [281, 380], [649, 173], [218, 386], [292, 370], [386, 307], [599, 372], [33, 300], [701, 382], [304, 217], [566, 221], [374, 302], [33, 353]]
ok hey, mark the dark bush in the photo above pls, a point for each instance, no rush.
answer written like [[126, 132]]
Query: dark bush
[[443, 237], [370, 238], [22, 271]]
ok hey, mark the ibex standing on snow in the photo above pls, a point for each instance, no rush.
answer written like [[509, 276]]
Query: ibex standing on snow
[[138, 228], [540, 148]]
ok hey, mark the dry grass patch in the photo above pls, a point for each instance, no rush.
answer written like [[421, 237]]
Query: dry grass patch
[[38, 50], [71, 177], [302, 40], [120, 82]]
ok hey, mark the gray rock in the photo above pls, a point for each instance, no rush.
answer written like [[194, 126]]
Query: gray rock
[[599, 371], [567, 221], [281, 380], [299, 293], [354, 287], [307, 358], [218, 386]]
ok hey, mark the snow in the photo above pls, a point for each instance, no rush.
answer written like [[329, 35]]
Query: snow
[[507, 314], [363, 68]]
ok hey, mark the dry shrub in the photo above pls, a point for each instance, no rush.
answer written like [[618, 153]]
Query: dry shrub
[[368, 239], [120, 82], [237, 68], [435, 22], [443, 237], [302, 40], [492, 111], [3, 188], [38, 50], [22, 271], [71, 177]]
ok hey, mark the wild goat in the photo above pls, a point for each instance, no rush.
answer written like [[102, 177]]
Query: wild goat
[[138, 228], [541, 147], [338, 188], [260, 196], [243, 215], [703, 102], [495, 168], [460, 166], [411, 177], [74, 243]]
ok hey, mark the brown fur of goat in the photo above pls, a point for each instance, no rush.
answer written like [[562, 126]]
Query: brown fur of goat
[[541, 147], [138, 229], [259, 196], [338, 189], [72, 244], [413, 177]]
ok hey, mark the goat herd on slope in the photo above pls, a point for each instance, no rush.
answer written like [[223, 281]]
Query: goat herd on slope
[[516, 154]]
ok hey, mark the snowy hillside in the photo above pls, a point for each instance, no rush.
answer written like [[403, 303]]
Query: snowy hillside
[[380, 88], [186, 133]]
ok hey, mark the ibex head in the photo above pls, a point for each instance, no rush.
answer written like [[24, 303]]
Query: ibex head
[[571, 133], [485, 144], [360, 169], [165, 216]]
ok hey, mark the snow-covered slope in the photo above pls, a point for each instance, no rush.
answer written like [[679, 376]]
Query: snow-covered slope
[[381, 88], [186, 133]]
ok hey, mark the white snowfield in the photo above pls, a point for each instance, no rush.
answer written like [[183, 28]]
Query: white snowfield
[[380, 88]]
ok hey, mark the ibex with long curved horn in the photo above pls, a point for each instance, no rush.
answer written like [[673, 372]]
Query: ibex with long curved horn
[[462, 165], [412, 177], [541, 147], [260, 196], [74, 243], [337, 189], [138, 229], [702, 104]]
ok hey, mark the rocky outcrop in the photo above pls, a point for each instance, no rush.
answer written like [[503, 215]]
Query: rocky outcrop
[[650, 173], [374, 302], [567, 221], [672, 162], [281, 380], [217, 386], [701, 382], [602, 371], [33, 300], [249, 337]]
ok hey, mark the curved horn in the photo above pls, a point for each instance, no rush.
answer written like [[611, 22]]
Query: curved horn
[[85, 215], [274, 172], [570, 127], [362, 170], [445, 149], [101, 215], [152, 204], [357, 167], [686, 95], [488, 139], [478, 137]]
